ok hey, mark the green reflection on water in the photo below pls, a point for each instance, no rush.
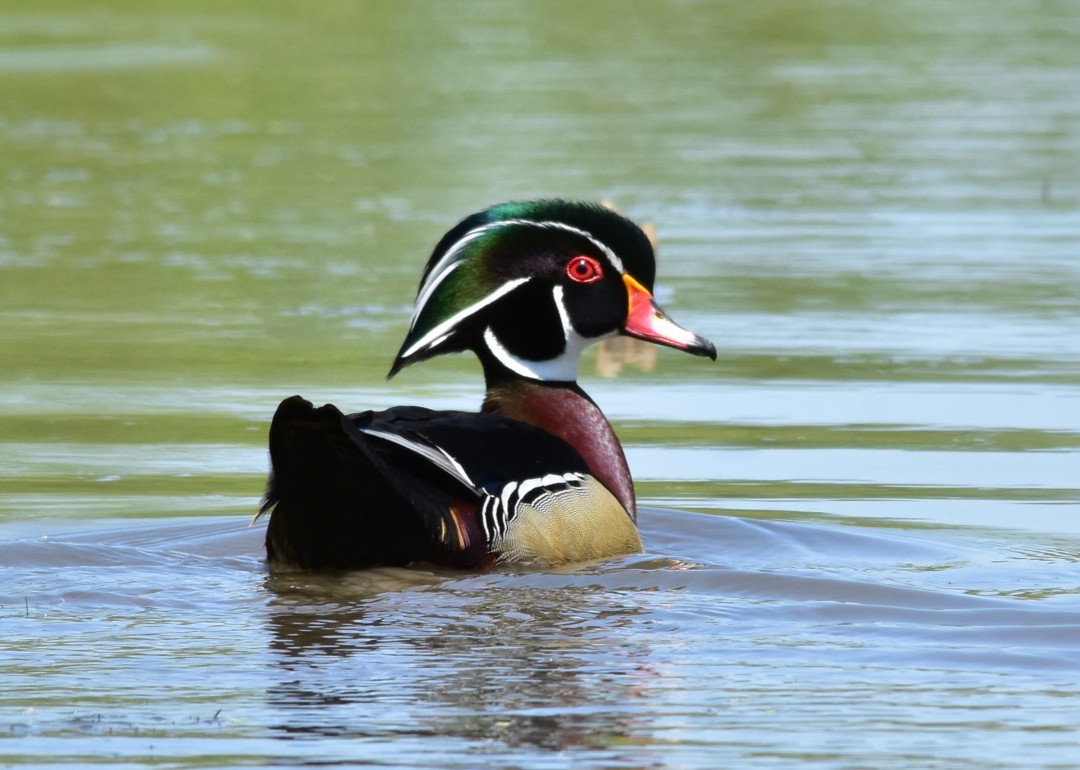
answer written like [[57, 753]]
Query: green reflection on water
[[232, 201], [244, 194]]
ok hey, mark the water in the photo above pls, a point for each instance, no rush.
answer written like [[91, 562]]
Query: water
[[862, 523]]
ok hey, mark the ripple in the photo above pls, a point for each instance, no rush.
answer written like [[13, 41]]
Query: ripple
[[53, 58]]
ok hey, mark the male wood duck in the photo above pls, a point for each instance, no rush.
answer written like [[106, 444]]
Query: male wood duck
[[537, 476]]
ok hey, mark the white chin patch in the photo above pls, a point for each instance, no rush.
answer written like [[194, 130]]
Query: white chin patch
[[562, 368]]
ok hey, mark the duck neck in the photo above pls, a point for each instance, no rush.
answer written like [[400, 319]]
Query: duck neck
[[564, 409]]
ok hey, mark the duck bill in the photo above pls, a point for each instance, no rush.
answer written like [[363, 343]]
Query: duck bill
[[646, 321]]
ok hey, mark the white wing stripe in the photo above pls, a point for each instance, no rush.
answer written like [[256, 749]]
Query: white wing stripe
[[436, 455]]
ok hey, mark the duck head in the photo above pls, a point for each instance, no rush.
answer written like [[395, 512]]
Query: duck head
[[528, 286]]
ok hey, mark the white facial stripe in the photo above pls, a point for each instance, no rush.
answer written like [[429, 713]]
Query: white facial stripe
[[440, 340], [508, 360], [563, 368], [564, 317], [449, 262], [615, 261], [452, 258], [429, 287], [443, 329]]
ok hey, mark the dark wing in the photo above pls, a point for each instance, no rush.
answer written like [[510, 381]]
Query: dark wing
[[341, 499], [394, 487], [491, 450]]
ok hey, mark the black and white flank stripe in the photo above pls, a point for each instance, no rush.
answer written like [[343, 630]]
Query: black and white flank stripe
[[498, 511], [498, 507]]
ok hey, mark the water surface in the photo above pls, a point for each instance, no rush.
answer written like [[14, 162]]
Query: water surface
[[862, 522]]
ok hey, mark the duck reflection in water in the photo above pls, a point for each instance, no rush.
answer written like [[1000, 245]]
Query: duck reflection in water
[[543, 659]]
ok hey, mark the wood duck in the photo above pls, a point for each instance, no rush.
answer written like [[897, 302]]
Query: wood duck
[[538, 475]]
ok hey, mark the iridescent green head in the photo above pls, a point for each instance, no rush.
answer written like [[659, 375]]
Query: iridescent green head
[[529, 285]]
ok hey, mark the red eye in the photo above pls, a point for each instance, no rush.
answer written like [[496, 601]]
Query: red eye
[[584, 270]]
